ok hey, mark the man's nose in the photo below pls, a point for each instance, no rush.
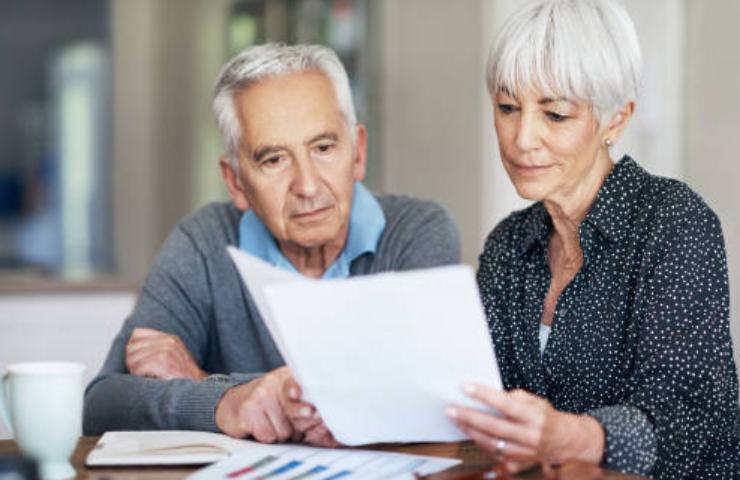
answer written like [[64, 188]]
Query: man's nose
[[305, 178], [527, 134]]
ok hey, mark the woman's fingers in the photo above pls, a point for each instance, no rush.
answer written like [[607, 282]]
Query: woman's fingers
[[491, 425], [500, 447], [515, 405], [520, 466]]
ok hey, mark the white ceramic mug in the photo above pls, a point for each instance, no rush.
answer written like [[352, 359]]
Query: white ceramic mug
[[41, 403]]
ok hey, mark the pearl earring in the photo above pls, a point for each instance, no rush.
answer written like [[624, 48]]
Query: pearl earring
[[608, 142]]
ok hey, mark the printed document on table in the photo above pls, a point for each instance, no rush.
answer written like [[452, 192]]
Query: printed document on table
[[309, 463], [380, 356]]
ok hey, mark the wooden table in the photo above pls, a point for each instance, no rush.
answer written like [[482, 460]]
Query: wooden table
[[475, 464]]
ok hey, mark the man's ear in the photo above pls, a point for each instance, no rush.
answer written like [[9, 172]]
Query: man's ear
[[359, 166], [233, 184], [619, 122]]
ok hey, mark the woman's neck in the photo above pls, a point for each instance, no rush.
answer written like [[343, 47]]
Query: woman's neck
[[567, 210]]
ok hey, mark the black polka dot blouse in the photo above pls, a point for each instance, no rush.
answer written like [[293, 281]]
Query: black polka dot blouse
[[640, 339]]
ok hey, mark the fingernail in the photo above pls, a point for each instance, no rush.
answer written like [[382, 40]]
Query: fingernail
[[451, 412], [305, 412], [293, 393], [469, 388]]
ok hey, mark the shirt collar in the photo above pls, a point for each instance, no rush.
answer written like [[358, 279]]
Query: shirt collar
[[609, 214], [536, 227], [366, 225]]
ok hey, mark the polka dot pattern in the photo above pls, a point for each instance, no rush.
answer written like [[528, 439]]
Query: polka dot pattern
[[640, 338]]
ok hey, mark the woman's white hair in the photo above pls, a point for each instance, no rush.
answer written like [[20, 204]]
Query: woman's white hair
[[271, 60], [578, 49]]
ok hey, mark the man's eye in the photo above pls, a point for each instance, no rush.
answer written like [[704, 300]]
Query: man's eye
[[324, 147], [275, 162], [556, 117], [506, 108]]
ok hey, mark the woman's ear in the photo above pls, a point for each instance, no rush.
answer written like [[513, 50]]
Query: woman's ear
[[233, 184], [618, 123]]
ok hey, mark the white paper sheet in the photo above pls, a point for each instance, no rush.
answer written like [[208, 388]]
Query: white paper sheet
[[380, 356], [278, 462]]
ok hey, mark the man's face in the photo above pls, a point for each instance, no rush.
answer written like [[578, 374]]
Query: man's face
[[297, 165]]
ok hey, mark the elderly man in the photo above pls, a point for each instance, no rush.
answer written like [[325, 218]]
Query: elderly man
[[194, 354]]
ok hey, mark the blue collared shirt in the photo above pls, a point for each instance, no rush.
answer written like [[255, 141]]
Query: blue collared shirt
[[366, 225]]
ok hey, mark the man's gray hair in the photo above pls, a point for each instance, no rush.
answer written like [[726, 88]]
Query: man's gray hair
[[261, 62], [578, 49]]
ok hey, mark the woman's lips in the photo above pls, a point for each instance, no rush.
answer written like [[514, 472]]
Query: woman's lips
[[530, 170]]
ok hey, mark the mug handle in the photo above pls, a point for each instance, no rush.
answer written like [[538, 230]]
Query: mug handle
[[4, 396]]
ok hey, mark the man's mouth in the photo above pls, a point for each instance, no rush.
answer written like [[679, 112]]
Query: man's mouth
[[308, 214]]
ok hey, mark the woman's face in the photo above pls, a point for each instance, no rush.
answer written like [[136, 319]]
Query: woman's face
[[549, 146]]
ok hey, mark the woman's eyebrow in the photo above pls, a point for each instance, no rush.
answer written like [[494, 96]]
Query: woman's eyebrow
[[546, 100]]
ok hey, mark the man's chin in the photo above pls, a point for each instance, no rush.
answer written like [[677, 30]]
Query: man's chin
[[317, 237]]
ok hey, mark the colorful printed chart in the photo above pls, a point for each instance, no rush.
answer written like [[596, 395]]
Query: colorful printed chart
[[307, 463]]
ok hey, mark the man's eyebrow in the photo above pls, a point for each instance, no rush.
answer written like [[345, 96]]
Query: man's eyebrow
[[262, 152], [323, 136]]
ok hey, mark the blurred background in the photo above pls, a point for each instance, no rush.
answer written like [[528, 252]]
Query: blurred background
[[107, 139]]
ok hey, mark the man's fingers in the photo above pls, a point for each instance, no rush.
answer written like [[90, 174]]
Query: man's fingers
[[254, 421], [280, 423], [321, 437], [291, 389], [302, 415]]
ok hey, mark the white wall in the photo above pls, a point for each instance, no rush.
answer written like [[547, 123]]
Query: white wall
[[75, 327], [431, 81], [713, 124]]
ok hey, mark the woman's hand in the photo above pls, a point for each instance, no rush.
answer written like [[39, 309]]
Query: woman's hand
[[528, 428]]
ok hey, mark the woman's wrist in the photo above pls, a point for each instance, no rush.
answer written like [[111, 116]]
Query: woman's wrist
[[583, 439]]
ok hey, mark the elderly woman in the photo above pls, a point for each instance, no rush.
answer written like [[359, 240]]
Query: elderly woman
[[607, 298]]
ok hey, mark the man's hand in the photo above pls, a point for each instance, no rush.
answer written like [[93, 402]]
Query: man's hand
[[305, 418], [155, 354], [257, 409]]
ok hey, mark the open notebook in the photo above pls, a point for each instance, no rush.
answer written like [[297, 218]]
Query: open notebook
[[167, 447]]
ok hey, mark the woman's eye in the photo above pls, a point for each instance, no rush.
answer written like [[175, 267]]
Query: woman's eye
[[556, 117], [506, 108]]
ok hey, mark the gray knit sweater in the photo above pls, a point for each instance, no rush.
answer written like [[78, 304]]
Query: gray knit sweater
[[194, 291]]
